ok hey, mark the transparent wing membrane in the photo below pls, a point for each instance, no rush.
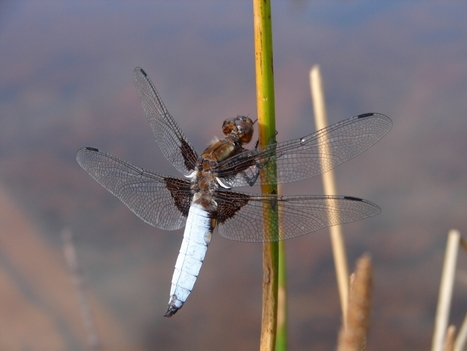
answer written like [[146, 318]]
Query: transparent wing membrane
[[172, 142], [298, 215], [311, 155], [149, 195]]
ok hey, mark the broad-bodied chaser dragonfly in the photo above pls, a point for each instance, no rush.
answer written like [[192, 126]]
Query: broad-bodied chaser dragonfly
[[204, 200]]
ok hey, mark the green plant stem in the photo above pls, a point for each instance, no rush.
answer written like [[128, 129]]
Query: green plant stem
[[267, 131], [281, 338]]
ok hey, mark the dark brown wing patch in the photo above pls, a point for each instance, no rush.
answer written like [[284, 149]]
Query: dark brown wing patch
[[229, 203], [189, 155], [178, 189]]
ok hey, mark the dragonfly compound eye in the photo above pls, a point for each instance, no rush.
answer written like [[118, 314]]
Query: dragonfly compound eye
[[244, 126]]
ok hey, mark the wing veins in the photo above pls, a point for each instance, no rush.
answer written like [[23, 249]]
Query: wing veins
[[306, 157], [151, 196], [298, 215]]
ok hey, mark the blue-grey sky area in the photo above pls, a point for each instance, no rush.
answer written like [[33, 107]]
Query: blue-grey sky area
[[66, 82]]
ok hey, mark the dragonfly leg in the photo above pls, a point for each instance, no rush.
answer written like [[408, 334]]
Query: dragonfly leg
[[251, 180]]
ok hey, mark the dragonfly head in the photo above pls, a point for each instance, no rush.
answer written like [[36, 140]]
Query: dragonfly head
[[241, 126]]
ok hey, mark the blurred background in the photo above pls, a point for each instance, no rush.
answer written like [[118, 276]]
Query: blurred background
[[66, 82]]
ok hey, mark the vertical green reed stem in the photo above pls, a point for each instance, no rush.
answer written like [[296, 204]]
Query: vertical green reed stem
[[267, 131], [281, 339]]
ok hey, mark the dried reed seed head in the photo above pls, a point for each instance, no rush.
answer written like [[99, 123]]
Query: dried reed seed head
[[353, 338]]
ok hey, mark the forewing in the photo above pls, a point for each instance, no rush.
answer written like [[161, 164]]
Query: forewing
[[160, 201], [241, 216], [311, 155], [172, 142]]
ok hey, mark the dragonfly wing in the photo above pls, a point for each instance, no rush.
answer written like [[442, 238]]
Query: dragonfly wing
[[160, 201], [241, 216], [172, 142], [311, 155]]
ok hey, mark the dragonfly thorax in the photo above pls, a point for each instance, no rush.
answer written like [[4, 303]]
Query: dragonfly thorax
[[204, 184]]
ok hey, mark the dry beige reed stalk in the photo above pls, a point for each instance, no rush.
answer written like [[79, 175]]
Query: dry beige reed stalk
[[445, 290], [329, 184], [448, 344], [93, 340], [461, 340], [352, 336]]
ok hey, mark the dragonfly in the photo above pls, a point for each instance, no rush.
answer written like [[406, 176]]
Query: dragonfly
[[203, 199]]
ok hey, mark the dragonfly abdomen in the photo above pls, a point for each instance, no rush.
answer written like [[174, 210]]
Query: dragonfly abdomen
[[196, 238]]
